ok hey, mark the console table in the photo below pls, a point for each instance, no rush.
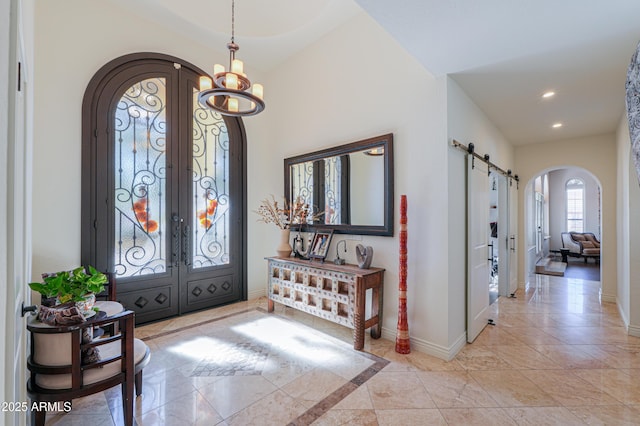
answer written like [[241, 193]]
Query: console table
[[334, 292]]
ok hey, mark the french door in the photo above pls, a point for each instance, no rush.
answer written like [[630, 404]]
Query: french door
[[165, 190]]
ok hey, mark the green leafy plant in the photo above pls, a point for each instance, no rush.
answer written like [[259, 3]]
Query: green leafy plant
[[71, 285]]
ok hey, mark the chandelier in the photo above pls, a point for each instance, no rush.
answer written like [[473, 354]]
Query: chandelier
[[231, 92]]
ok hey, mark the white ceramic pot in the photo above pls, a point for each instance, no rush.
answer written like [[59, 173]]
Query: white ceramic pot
[[284, 248]]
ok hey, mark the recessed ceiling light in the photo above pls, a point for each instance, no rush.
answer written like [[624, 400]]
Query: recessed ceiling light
[[548, 94], [556, 125]]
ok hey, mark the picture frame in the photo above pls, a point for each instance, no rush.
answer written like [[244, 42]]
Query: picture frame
[[320, 244]]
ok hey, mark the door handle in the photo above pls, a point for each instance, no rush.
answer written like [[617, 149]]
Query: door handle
[[31, 310], [186, 251], [175, 236], [513, 243]]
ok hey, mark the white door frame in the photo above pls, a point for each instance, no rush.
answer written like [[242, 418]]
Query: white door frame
[[15, 216], [503, 234], [512, 242]]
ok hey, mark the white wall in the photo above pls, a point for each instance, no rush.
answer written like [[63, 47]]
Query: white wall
[[557, 203], [339, 90], [596, 154], [628, 265], [466, 124]]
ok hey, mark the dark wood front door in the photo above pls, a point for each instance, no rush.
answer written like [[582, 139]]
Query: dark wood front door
[[166, 191]]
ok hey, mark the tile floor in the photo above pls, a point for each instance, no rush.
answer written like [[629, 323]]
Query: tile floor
[[556, 356]]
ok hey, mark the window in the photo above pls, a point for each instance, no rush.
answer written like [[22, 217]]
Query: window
[[575, 205]]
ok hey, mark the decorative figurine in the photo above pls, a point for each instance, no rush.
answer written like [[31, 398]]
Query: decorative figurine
[[298, 247], [338, 260], [364, 256]]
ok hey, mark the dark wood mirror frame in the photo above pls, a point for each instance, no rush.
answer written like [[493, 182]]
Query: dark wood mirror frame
[[384, 141]]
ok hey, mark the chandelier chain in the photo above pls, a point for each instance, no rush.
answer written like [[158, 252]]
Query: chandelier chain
[[233, 21]]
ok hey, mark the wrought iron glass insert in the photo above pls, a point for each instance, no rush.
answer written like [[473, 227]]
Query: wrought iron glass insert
[[140, 179], [302, 182], [333, 190], [210, 223], [320, 184]]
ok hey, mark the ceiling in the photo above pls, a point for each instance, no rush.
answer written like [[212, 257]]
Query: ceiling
[[504, 54]]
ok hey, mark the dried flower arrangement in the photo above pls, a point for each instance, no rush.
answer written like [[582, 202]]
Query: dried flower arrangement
[[284, 215]]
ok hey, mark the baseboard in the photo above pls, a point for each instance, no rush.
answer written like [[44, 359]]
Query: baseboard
[[634, 330], [420, 345], [625, 320], [256, 294], [608, 298]]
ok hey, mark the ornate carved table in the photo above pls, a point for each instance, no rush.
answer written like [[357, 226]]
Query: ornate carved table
[[334, 292]]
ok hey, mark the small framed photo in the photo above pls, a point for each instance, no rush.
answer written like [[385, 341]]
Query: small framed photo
[[320, 244]]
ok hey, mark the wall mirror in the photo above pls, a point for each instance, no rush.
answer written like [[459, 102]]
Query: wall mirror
[[352, 184]]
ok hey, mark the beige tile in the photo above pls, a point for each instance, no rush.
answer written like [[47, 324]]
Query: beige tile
[[96, 404], [570, 356], [533, 336], [510, 388], [618, 415], [281, 369], [412, 417], [395, 366], [623, 385], [234, 393], [346, 364], [492, 336], [556, 354], [455, 389], [572, 335], [192, 409], [524, 358], [348, 417], [426, 362], [313, 386], [277, 408], [473, 357], [538, 416], [80, 420], [476, 417], [360, 399], [160, 389], [569, 389], [615, 356], [398, 390]]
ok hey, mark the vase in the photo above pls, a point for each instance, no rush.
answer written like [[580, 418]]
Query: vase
[[284, 248], [87, 304]]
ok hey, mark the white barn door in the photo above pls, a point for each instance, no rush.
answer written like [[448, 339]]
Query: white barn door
[[478, 275], [512, 200]]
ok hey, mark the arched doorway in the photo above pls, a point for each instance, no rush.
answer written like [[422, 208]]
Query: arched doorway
[[558, 200]]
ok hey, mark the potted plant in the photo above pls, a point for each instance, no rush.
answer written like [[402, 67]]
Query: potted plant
[[79, 285]]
